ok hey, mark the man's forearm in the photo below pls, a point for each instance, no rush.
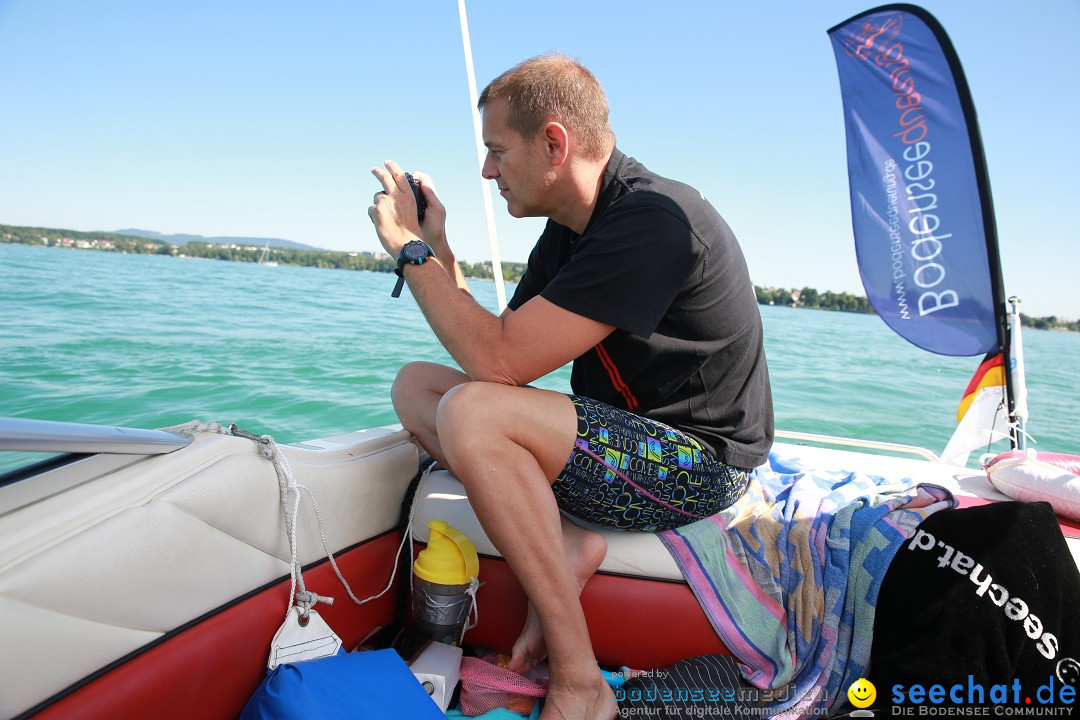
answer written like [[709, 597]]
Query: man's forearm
[[470, 333], [452, 268], [445, 257]]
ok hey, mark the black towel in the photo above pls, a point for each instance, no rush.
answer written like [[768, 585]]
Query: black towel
[[980, 597]]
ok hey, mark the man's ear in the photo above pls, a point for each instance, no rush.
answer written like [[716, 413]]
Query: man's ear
[[556, 143]]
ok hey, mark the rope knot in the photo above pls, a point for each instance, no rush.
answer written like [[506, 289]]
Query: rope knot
[[474, 610], [305, 599]]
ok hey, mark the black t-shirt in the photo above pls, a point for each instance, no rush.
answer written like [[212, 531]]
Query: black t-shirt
[[660, 264]]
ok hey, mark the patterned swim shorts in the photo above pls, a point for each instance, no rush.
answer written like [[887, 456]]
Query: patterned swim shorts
[[632, 473]]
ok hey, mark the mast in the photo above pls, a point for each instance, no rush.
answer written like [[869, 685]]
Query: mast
[[481, 151]]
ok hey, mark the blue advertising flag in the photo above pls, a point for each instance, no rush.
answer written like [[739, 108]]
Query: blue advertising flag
[[920, 199]]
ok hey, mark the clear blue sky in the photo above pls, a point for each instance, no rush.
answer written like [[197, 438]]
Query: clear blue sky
[[263, 117]]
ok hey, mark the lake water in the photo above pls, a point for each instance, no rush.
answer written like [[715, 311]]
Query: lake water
[[298, 353]]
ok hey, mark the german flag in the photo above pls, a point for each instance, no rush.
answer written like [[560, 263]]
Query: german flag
[[991, 373], [981, 418]]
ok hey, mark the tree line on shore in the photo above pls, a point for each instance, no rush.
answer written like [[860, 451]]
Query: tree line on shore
[[112, 242], [806, 297], [810, 298]]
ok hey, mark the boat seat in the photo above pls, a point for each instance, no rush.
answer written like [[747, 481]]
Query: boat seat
[[153, 590], [637, 583], [441, 496]]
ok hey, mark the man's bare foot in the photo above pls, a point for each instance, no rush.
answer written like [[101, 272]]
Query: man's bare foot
[[529, 648], [586, 699], [585, 550]]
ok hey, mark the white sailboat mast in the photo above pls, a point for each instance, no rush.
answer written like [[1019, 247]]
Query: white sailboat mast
[[493, 240]]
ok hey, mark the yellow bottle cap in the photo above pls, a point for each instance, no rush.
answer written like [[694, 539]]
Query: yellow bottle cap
[[449, 558]]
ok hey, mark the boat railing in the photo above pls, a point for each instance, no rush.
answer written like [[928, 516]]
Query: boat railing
[[20, 434], [857, 442]]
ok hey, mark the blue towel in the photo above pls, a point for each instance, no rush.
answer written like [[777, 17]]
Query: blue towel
[[789, 574]]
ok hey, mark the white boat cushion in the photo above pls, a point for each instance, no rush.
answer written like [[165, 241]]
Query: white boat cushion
[[96, 571]]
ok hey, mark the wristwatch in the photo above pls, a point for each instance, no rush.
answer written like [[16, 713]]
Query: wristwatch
[[414, 252]]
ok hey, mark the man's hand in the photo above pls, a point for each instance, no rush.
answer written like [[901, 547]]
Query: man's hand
[[434, 225], [434, 229], [394, 210]]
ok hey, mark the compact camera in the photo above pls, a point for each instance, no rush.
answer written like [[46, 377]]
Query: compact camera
[[421, 204]]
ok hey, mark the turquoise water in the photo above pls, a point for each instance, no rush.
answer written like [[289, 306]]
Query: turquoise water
[[299, 353]]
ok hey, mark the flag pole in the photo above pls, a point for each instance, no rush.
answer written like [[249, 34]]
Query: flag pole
[[1017, 385]]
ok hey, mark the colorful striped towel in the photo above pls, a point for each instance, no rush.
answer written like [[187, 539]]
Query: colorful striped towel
[[789, 575]]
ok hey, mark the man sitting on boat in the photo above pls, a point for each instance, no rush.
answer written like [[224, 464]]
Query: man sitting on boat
[[638, 281]]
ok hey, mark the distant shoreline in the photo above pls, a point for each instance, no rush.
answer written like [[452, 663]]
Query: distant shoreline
[[806, 297]]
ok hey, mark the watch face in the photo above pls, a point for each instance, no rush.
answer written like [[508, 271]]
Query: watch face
[[414, 250]]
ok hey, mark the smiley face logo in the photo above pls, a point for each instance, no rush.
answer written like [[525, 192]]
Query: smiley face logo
[[862, 693], [1068, 671]]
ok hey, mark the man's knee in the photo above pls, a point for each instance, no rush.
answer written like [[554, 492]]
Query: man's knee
[[407, 387], [465, 415], [462, 406], [410, 378], [422, 380], [416, 392]]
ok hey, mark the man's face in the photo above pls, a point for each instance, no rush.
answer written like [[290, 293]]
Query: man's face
[[518, 166]]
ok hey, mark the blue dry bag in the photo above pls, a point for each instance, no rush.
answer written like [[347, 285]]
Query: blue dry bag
[[376, 685]]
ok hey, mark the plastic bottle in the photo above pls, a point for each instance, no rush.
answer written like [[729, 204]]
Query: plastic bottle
[[443, 573]]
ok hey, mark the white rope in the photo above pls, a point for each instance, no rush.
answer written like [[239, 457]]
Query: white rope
[[1018, 426], [287, 484], [474, 610], [289, 490], [406, 537], [996, 435]]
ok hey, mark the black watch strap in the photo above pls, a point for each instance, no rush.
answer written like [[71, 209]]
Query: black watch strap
[[415, 252]]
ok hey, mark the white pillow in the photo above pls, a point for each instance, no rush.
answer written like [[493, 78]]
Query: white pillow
[[1033, 476]]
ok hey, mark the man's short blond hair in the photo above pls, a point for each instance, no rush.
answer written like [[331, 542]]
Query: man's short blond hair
[[556, 88]]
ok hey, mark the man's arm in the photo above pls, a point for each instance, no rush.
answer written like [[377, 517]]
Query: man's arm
[[514, 348]]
